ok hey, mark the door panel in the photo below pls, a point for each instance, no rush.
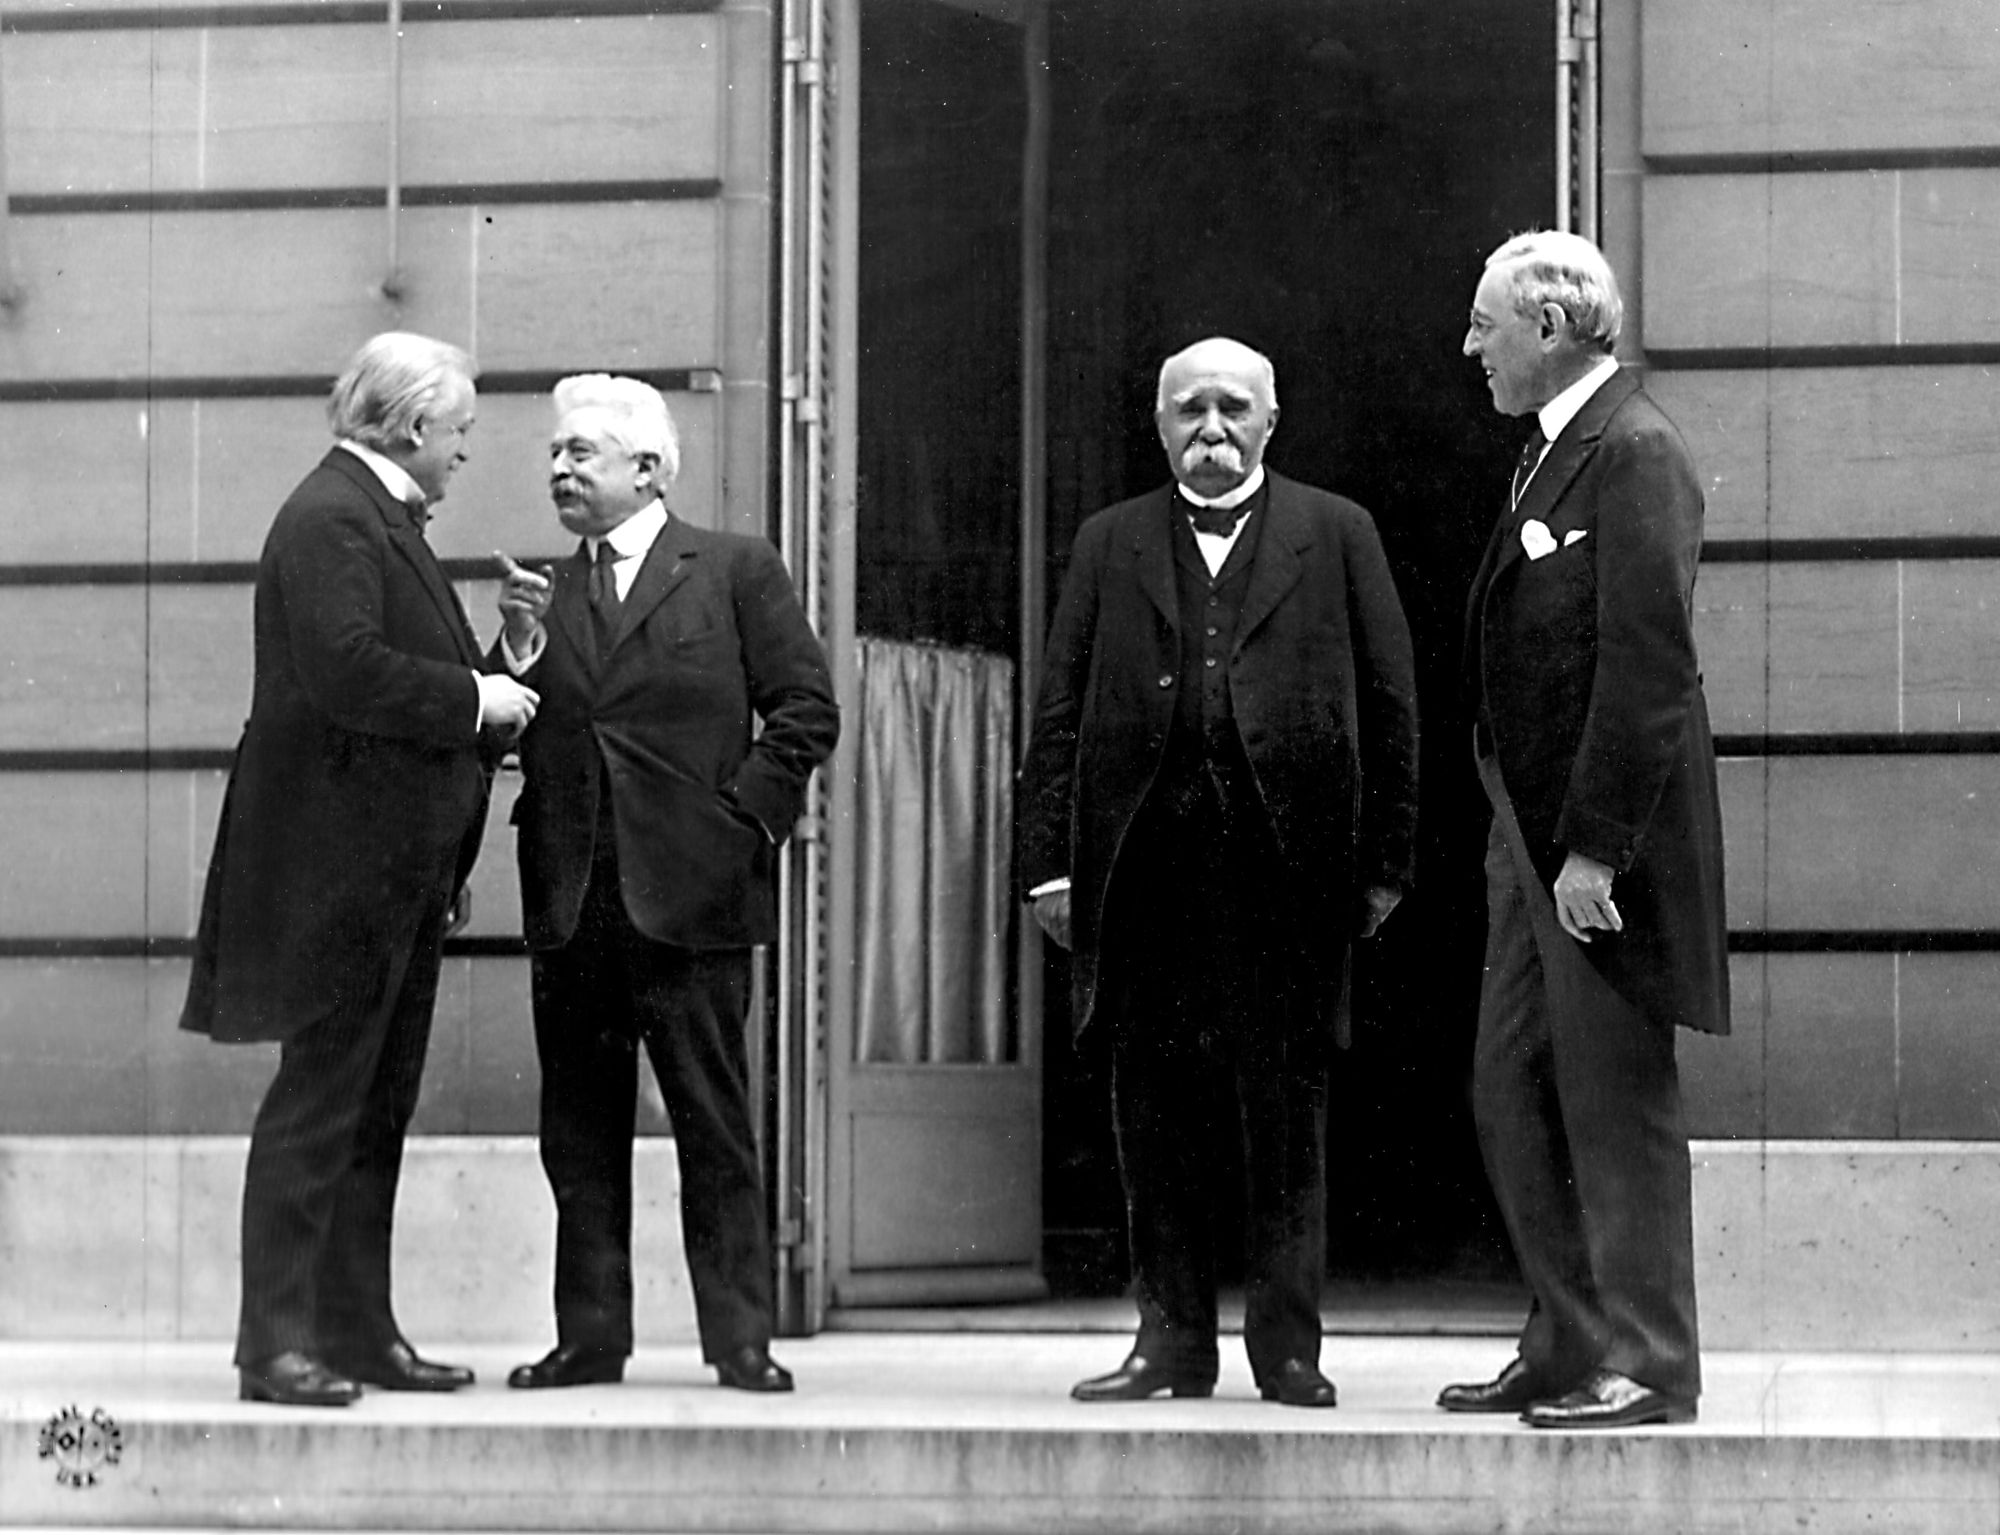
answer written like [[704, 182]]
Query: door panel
[[934, 1072]]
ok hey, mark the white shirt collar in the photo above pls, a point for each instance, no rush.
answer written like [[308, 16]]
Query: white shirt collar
[[394, 477], [635, 535], [1230, 498], [1560, 411]]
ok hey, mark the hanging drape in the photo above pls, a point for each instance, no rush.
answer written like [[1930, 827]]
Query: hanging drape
[[934, 824]]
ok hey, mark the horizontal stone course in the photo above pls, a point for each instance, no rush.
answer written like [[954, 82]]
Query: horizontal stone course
[[1826, 1245]]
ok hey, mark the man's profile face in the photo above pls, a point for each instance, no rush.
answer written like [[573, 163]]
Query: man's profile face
[[1214, 421], [441, 447], [1509, 345], [595, 482]]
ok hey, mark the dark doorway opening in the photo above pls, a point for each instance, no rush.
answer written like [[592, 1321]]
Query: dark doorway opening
[[1321, 179]]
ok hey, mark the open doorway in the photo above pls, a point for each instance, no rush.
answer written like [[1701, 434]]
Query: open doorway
[[1321, 179]]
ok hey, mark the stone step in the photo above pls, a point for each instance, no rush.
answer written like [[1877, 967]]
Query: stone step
[[975, 1433]]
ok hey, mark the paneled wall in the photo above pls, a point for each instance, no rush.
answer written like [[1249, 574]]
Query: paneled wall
[[200, 236], [1808, 195]]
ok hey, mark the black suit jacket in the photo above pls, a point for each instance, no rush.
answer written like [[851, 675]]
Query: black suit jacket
[[1583, 661], [359, 787], [1324, 694], [712, 639]]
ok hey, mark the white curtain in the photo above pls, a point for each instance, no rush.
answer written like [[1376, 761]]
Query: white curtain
[[935, 812]]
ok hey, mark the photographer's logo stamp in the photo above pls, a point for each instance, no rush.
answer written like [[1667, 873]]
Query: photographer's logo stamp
[[81, 1447]]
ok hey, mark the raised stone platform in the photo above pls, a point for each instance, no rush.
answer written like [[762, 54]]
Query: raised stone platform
[[129, 1237], [1800, 1245], [975, 1433]]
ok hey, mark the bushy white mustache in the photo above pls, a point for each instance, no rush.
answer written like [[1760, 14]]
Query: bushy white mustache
[[1227, 454]]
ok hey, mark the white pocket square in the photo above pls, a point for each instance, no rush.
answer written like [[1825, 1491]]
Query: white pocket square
[[1574, 535], [1537, 539]]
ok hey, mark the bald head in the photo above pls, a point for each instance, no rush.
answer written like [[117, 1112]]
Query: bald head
[[1216, 407], [1220, 354]]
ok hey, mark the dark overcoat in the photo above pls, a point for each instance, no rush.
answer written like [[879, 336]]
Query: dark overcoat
[[711, 643], [1323, 689], [1581, 651], [359, 787]]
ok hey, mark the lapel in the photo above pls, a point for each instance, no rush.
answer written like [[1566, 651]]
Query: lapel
[[1567, 455], [569, 605], [1153, 553], [1275, 567], [411, 545], [667, 565]]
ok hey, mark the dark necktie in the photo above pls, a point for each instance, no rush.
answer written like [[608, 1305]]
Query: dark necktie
[[1531, 455], [604, 603], [1218, 519]]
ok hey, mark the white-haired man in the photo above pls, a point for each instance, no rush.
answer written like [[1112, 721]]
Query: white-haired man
[[1605, 926], [650, 820], [1219, 793], [351, 820]]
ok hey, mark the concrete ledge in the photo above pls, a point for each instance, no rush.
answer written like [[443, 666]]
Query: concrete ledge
[[135, 1237], [1842, 1245], [1810, 1245]]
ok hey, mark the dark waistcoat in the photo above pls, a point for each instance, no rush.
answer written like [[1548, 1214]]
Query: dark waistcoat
[[1203, 837]]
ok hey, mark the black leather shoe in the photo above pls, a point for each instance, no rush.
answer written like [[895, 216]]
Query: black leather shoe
[[569, 1364], [1299, 1384], [1609, 1400], [1514, 1389], [398, 1368], [293, 1379], [1139, 1377], [751, 1368]]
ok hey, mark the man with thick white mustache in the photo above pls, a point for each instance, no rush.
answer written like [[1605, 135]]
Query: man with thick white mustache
[[1218, 795], [689, 704]]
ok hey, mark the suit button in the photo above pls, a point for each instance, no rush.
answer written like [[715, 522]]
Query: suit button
[[1166, 679], [1211, 661]]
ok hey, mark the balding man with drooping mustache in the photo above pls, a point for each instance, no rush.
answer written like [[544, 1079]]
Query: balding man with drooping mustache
[[1219, 794]]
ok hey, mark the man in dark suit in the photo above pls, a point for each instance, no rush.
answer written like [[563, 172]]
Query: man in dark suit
[[1219, 793], [351, 820], [1604, 866], [650, 822]]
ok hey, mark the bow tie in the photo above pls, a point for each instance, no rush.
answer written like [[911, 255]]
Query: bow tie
[[1217, 519], [420, 514]]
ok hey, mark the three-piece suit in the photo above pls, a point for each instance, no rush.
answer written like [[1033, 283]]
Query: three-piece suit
[[1221, 764]]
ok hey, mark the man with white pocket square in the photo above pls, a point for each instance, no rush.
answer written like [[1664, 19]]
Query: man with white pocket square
[[1606, 926]]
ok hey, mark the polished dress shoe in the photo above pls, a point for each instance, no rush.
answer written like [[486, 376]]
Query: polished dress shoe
[[1514, 1389], [751, 1368], [293, 1379], [1299, 1384], [1609, 1400], [569, 1364], [399, 1368], [1139, 1377]]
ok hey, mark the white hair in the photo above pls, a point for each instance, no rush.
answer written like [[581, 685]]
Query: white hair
[[1228, 353], [639, 421], [1548, 266], [390, 385]]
